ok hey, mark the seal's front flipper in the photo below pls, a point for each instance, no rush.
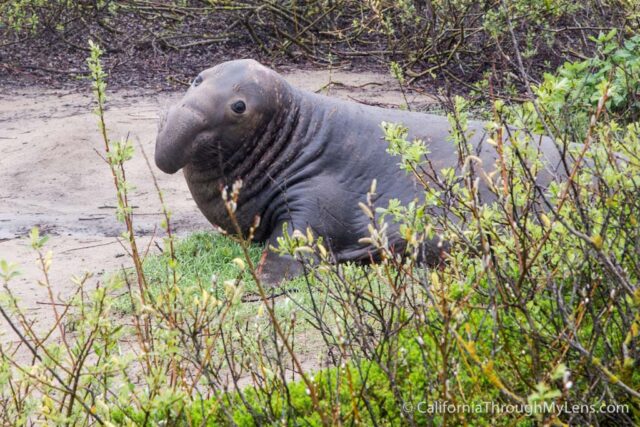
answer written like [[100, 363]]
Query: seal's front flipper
[[275, 269]]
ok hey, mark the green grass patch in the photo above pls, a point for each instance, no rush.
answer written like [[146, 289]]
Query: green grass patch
[[204, 261]]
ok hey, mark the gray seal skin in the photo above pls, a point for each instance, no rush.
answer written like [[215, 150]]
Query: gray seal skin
[[305, 159]]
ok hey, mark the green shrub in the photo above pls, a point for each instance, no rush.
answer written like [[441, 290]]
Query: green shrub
[[570, 96]]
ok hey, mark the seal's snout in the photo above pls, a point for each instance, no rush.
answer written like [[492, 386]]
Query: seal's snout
[[177, 130], [162, 155]]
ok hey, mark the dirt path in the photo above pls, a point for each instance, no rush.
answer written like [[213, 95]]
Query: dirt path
[[52, 177]]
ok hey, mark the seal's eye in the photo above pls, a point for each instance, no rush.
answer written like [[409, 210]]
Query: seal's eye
[[197, 81], [238, 107]]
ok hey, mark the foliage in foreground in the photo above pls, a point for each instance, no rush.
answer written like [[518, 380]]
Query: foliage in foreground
[[533, 319]]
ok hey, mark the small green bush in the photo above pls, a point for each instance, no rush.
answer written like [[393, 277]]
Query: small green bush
[[570, 96]]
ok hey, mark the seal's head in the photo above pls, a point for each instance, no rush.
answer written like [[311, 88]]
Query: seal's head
[[226, 108]]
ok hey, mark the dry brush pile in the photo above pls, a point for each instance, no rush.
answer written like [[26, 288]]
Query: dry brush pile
[[458, 40]]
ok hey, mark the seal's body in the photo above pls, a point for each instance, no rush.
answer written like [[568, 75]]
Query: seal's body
[[305, 159]]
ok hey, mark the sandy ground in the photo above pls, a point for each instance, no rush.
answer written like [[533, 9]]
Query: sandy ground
[[51, 176]]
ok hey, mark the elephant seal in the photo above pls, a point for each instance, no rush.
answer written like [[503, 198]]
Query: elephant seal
[[305, 160]]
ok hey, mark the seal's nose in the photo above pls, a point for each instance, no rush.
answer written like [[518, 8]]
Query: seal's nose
[[177, 130]]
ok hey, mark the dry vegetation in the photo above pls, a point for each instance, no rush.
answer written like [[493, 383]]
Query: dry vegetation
[[168, 42]]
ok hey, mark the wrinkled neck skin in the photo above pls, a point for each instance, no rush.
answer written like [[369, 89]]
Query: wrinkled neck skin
[[276, 151]]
